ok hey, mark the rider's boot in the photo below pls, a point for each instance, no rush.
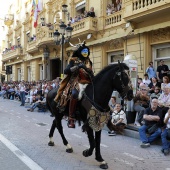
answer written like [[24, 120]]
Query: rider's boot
[[72, 109]]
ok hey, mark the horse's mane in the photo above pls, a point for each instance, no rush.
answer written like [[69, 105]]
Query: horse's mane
[[111, 68]]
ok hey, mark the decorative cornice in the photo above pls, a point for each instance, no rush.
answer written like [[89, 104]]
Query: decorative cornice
[[161, 35]]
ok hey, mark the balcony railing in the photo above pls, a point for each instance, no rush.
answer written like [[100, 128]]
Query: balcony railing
[[31, 46], [44, 35], [85, 25], [139, 8], [114, 19], [12, 54], [139, 4]]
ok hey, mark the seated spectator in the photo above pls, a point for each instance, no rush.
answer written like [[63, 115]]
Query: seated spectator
[[152, 117], [39, 101], [146, 80], [166, 134], [164, 99], [139, 82], [91, 13], [112, 103], [165, 83], [156, 93], [141, 102], [118, 121], [154, 83]]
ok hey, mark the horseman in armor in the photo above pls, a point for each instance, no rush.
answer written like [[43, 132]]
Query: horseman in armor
[[78, 74]]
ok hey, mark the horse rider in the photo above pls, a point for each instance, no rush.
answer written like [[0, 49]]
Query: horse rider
[[78, 71]]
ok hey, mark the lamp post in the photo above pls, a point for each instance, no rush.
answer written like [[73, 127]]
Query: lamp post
[[65, 32], [46, 53]]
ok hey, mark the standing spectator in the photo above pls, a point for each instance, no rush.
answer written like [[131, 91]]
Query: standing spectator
[[166, 134], [109, 9], [118, 121], [162, 70], [91, 13], [119, 5], [152, 117], [22, 93], [150, 70], [146, 80]]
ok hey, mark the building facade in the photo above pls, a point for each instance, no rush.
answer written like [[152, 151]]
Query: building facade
[[140, 28]]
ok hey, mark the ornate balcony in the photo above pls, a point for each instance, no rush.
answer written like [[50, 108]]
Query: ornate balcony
[[113, 20], [44, 35], [143, 10], [9, 19], [12, 54], [31, 47], [83, 27]]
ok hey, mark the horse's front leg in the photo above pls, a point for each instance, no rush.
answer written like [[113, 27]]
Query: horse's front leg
[[69, 149], [89, 152], [103, 164], [53, 126], [57, 123]]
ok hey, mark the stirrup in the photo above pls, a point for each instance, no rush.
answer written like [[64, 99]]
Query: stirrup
[[71, 123]]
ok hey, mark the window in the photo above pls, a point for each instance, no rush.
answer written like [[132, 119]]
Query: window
[[29, 73], [19, 74], [115, 56]]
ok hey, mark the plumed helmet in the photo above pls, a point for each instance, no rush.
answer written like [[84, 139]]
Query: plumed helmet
[[81, 51]]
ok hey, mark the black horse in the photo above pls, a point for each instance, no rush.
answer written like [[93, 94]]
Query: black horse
[[98, 93]]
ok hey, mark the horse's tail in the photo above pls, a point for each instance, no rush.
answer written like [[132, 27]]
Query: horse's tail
[[48, 106]]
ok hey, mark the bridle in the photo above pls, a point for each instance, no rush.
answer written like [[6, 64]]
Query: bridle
[[119, 74]]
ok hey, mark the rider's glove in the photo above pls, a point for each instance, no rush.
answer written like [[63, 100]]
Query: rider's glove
[[74, 68], [81, 65]]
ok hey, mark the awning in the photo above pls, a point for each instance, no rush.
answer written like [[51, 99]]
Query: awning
[[80, 5]]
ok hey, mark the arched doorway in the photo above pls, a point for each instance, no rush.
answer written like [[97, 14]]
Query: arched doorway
[[55, 68]]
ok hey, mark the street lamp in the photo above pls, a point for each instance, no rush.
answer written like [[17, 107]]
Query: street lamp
[[65, 32], [46, 53]]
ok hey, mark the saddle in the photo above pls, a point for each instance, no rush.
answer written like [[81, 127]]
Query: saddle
[[66, 94]]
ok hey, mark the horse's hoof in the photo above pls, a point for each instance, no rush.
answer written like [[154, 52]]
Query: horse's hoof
[[104, 166], [86, 153], [70, 150], [50, 143]]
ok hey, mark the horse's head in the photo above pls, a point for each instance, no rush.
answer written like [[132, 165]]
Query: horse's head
[[122, 82]]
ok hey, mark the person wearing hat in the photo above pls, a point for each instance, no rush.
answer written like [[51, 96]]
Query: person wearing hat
[[78, 71], [162, 70]]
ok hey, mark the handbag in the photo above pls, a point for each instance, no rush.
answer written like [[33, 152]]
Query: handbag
[[152, 128]]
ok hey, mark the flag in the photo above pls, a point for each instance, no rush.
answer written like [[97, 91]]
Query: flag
[[32, 10], [38, 9]]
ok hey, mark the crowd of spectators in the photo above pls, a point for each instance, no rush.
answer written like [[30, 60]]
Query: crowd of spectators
[[83, 15], [151, 103], [13, 47], [33, 93], [112, 8]]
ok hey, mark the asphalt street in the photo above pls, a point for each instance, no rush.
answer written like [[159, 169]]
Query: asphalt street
[[24, 145]]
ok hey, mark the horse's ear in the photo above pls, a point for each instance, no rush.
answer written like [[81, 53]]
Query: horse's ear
[[120, 67]]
